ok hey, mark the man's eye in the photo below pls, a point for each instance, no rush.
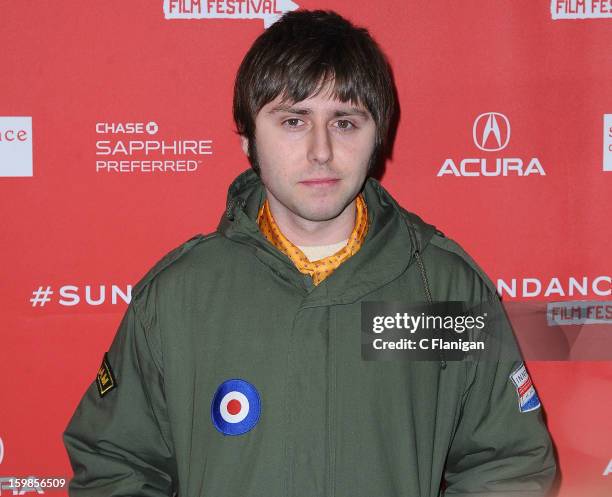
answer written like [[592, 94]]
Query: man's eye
[[292, 123], [344, 124]]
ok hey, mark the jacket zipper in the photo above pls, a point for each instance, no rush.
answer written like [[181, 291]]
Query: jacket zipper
[[331, 412]]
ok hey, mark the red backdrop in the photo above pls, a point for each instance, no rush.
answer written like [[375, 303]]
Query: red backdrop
[[117, 144]]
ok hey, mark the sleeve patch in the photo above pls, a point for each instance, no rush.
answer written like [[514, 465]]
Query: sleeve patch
[[105, 380], [527, 396]]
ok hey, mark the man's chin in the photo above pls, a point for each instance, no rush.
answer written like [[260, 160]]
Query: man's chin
[[321, 214]]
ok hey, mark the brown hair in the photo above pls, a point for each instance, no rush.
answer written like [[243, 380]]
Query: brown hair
[[302, 52]]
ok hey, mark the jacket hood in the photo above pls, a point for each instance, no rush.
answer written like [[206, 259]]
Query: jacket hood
[[403, 236]]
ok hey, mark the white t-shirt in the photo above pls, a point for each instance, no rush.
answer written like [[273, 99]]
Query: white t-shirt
[[316, 252]]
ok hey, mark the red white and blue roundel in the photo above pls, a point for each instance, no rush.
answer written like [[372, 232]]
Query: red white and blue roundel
[[235, 407]]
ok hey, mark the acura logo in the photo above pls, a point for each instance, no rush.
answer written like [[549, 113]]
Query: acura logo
[[491, 131]]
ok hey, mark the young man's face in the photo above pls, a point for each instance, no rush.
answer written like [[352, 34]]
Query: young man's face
[[313, 155]]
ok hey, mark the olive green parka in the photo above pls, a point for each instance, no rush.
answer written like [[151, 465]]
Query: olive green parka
[[230, 305]]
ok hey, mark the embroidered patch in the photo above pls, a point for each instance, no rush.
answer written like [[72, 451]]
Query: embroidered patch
[[527, 395], [106, 379], [235, 407]]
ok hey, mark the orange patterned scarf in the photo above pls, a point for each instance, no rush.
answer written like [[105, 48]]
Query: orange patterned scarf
[[321, 269]]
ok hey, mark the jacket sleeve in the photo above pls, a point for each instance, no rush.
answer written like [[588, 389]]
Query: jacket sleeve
[[118, 439], [501, 446]]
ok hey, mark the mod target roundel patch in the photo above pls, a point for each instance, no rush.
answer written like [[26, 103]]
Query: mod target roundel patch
[[235, 407]]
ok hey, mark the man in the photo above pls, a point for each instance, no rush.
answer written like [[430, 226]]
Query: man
[[237, 369]]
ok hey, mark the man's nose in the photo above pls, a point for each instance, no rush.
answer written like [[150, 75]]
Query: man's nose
[[320, 146]]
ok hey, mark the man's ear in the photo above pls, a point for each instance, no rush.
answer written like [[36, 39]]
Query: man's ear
[[244, 142]]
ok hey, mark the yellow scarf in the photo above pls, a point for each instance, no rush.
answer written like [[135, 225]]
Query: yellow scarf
[[321, 269]]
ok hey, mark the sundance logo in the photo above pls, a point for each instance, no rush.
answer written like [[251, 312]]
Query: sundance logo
[[555, 286], [491, 133], [580, 9], [16, 146], [268, 10], [607, 141]]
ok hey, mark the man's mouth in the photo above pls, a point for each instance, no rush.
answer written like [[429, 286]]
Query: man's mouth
[[320, 181]]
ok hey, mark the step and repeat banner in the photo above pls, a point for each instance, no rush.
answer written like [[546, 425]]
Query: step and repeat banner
[[117, 144]]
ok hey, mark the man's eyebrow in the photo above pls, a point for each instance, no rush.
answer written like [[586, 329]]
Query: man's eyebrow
[[353, 111]]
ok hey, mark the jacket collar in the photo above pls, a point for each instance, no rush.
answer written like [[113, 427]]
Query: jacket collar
[[394, 235]]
